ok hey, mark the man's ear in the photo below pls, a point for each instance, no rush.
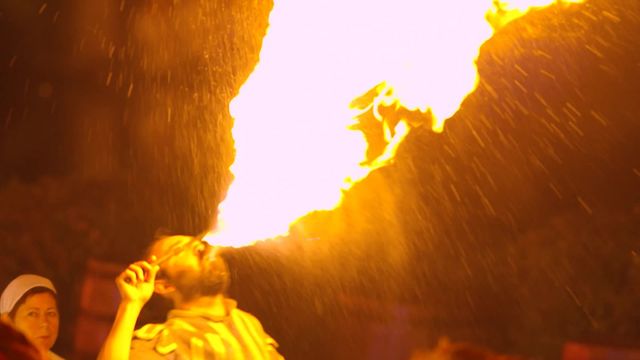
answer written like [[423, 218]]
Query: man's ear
[[162, 287]]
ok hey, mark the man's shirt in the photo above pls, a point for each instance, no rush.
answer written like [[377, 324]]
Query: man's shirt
[[197, 336]]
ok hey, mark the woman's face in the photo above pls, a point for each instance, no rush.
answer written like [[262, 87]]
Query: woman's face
[[38, 319]]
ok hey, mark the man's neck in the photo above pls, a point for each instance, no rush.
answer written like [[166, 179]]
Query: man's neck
[[213, 305]]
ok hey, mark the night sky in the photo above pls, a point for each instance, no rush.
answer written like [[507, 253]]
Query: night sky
[[517, 228]]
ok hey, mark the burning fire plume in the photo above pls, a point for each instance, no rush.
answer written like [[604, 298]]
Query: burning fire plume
[[297, 117]]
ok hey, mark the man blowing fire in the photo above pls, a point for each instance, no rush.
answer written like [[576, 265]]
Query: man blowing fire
[[204, 323]]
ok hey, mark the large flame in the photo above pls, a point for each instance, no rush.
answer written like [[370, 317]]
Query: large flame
[[296, 147]]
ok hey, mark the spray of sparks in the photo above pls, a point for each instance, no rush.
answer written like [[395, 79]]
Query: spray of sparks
[[297, 147]]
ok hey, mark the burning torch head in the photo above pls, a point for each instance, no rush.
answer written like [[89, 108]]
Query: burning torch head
[[191, 265]]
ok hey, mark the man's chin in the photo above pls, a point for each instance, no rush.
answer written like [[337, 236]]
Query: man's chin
[[213, 286]]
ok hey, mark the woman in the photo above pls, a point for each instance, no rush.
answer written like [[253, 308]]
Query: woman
[[29, 304]]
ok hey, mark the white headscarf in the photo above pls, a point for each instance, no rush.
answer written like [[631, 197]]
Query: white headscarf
[[18, 287]]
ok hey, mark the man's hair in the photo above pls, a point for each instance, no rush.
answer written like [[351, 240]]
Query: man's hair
[[26, 295]]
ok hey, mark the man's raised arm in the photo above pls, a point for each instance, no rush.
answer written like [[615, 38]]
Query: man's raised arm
[[136, 285]]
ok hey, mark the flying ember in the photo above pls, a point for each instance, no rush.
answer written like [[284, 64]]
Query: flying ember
[[298, 127]]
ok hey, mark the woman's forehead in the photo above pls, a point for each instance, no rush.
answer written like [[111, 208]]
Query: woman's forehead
[[40, 298]]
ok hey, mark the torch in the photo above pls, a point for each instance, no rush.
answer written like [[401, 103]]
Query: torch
[[176, 249]]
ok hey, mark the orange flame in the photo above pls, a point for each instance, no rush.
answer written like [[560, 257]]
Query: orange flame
[[296, 148]]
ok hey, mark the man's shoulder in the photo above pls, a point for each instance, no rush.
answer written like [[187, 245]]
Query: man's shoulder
[[153, 339], [244, 314], [149, 331], [252, 321]]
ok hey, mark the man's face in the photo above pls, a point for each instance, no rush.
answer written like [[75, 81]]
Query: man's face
[[196, 270]]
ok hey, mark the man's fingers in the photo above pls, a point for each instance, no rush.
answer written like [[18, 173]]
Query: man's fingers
[[140, 271], [153, 272], [154, 267], [129, 276], [137, 268], [149, 270]]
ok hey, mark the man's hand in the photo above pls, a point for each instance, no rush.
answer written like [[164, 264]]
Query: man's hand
[[136, 283]]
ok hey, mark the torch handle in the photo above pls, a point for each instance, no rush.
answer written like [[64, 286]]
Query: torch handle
[[175, 250]]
